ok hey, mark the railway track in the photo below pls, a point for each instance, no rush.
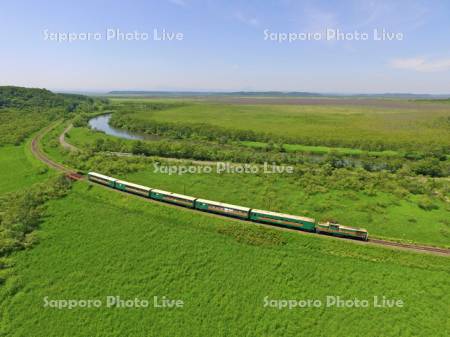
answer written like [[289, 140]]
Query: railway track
[[72, 174], [429, 249], [37, 152]]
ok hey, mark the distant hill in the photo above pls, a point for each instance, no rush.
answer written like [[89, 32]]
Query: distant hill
[[35, 98], [398, 95], [269, 94], [233, 93]]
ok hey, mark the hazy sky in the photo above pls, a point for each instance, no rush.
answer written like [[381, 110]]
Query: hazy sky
[[226, 46]]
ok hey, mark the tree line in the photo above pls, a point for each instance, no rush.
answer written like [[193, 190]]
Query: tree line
[[210, 151]]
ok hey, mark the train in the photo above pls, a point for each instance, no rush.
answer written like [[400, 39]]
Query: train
[[240, 212]]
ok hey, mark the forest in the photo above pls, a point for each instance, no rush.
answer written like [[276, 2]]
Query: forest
[[24, 111]]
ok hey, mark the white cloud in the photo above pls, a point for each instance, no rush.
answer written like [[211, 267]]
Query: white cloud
[[181, 3], [250, 21], [421, 64]]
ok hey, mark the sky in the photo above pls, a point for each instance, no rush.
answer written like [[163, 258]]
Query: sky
[[227, 45]]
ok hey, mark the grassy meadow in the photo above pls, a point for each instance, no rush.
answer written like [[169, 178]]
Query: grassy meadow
[[90, 242], [19, 169], [399, 126], [97, 243]]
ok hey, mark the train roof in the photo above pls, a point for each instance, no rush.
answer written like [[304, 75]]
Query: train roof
[[102, 176], [283, 215], [345, 227], [220, 204], [141, 187], [176, 195], [353, 228]]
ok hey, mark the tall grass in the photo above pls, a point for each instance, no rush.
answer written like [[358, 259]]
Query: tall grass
[[99, 243]]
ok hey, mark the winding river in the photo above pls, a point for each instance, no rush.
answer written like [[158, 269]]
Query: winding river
[[101, 123]]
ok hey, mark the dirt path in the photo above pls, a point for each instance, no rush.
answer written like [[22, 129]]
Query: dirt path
[[62, 139], [37, 152]]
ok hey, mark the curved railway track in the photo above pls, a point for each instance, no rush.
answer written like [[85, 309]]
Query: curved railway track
[[37, 152], [72, 174]]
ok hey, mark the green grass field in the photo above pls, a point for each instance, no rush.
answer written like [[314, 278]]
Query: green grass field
[[97, 243], [338, 126], [82, 137], [19, 169]]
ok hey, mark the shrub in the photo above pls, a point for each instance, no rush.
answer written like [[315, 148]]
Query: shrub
[[22, 212], [427, 204]]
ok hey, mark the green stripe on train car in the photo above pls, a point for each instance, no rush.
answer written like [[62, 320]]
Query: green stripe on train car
[[275, 220], [119, 186], [201, 205], [157, 196], [347, 235]]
